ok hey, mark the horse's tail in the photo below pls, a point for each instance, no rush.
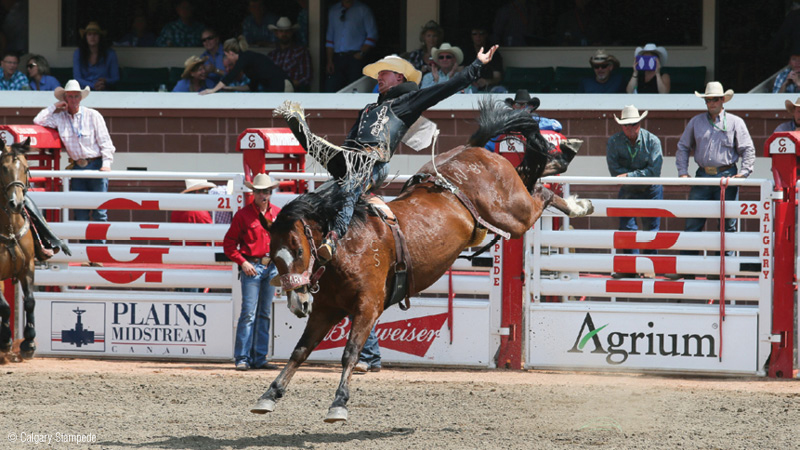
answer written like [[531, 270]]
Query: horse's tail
[[496, 119]]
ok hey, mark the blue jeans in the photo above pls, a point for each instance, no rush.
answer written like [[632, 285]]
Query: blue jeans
[[711, 193], [371, 353], [90, 185], [352, 191], [252, 347], [652, 192]]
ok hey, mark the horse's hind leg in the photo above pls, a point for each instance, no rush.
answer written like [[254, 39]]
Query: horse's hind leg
[[28, 346], [359, 331], [319, 323], [571, 206]]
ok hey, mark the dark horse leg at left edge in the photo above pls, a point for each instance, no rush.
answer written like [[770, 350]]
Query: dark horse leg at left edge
[[466, 191]]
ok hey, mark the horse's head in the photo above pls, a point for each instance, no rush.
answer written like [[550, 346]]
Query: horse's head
[[293, 252], [14, 174]]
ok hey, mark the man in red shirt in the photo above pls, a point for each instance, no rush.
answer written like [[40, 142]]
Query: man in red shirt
[[247, 244]]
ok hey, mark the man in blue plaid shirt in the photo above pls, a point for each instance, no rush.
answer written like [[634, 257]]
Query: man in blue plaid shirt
[[788, 79], [184, 32], [13, 79]]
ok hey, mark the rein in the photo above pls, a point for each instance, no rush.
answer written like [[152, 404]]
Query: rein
[[292, 281]]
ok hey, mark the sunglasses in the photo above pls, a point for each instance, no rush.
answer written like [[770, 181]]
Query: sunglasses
[[713, 100], [446, 56], [262, 191], [208, 38], [600, 66], [31, 65]]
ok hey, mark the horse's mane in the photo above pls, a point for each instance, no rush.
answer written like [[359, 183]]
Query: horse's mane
[[496, 118], [320, 206]]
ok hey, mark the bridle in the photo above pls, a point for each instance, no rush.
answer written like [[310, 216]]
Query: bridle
[[13, 238], [292, 281]]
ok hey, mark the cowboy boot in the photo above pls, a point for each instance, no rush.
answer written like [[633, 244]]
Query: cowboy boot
[[326, 251], [46, 234], [569, 148]]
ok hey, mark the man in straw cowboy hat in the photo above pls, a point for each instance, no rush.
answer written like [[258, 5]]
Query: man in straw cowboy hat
[[635, 152], [194, 77], [362, 163], [791, 108], [247, 244], [447, 61], [85, 136], [291, 57], [606, 79], [718, 139]]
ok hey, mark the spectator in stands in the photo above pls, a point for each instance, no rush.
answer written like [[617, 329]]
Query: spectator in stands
[[352, 33], [85, 136], [39, 74], [788, 80], [492, 73], [647, 75], [431, 36], [193, 78], [293, 58], [791, 108], [183, 32], [94, 64], [13, 79], [302, 21], [139, 36], [606, 79], [255, 27], [635, 152], [448, 63], [264, 75], [238, 80], [215, 66], [516, 23], [247, 244], [718, 139]]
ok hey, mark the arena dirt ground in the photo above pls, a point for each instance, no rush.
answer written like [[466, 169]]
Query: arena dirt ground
[[163, 405]]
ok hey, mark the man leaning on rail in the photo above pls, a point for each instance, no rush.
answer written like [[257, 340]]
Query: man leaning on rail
[[718, 139]]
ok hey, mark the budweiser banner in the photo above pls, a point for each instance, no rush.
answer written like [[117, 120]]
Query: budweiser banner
[[420, 335]]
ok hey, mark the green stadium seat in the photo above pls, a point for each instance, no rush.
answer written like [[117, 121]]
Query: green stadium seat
[[686, 80], [567, 78], [174, 76], [142, 79], [534, 79], [62, 74]]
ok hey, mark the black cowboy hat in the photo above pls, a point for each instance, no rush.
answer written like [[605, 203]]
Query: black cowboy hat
[[523, 97]]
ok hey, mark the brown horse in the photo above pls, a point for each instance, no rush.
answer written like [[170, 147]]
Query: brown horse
[[17, 257], [437, 227]]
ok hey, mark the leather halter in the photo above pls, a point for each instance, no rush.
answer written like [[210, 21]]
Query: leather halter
[[292, 281]]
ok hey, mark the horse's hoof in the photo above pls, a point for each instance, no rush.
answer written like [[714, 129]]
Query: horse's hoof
[[263, 406], [27, 354], [336, 414], [27, 350]]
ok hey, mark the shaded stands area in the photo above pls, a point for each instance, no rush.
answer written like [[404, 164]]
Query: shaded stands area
[[133, 78], [566, 79]]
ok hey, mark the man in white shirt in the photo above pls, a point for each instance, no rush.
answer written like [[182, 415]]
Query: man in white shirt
[[85, 136]]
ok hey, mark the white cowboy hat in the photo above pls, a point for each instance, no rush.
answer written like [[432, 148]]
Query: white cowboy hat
[[714, 89], [630, 116], [283, 24], [791, 106], [71, 86], [262, 181], [193, 184], [661, 51], [191, 63], [393, 63], [447, 48]]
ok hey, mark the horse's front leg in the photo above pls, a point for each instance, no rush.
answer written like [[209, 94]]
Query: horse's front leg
[[319, 323], [28, 346], [571, 206], [359, 331], [5, 327]]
